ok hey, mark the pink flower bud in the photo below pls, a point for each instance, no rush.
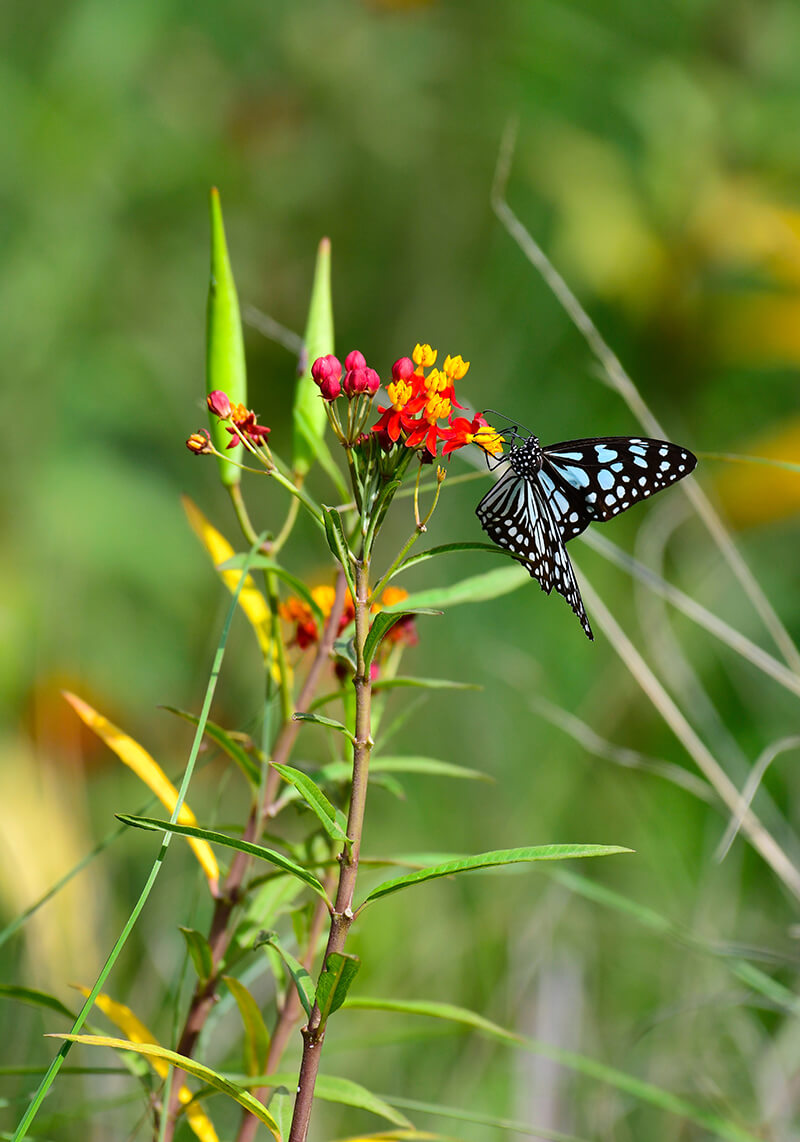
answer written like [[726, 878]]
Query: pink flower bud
[[373, 382], [356, 381], [355, 360], [219, 404], [403, 369], [326, 368], [329, 388]]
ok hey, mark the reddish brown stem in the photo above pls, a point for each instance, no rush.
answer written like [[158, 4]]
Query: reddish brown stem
[[220, 930], [342, 918]]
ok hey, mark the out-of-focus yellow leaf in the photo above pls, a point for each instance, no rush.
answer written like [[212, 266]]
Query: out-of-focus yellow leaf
[[251, 600], [735, 223], [759, 328], [136, 1031], [150, 772], [758, 493]]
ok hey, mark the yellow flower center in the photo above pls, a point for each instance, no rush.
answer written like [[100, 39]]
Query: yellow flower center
[[423, 357], [488, 438], [399, 394], [455, 367], [435, 382], [437, 408]]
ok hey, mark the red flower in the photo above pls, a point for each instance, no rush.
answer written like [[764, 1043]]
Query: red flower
[[476, 431], [395, 417], [246, 424], [426, 430]]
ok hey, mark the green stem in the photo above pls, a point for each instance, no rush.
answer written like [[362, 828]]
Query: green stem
[[342, 917]]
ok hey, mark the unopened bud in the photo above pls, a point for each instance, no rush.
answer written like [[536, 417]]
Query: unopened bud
[[356, 380], [219, 403], [403, 369], [355, 360], [373, 382], [326, 368]]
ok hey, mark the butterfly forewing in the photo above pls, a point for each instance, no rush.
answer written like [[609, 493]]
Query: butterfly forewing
[[612, 473]]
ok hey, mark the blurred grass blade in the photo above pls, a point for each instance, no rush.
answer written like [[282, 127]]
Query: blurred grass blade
[[695, 611], [191, 1067], [334, 983], [200, 952], [332, 820], [152, 824], [476, 589], [264, 563], [344, 1091], [251, 600], [35, 998], [250, 768], [225, 361], [138, 1033], [309, 414], [479, 1119], [256, 1035], [321, 720], [401, 1136], [150, 772], [638, 1088], [303, 982], [492, 860]]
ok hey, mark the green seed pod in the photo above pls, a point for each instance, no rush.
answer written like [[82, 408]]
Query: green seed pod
[[226, 370], [310, 418]]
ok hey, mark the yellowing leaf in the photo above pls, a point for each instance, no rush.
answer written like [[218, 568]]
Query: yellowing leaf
[[191, 1066], [251, 600], [122, 1017], [761, 493], [150, 772]]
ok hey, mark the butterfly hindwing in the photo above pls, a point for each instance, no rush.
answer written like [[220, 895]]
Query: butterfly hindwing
[[612, 473], [515, 514]]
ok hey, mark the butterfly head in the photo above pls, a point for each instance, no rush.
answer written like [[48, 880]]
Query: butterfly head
[[526, 458]]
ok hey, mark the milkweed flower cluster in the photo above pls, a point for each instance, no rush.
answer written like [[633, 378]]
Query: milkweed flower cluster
[[243, 421], [421, 410]]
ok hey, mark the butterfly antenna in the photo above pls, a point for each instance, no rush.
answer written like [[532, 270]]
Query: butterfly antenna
[[513, 430]]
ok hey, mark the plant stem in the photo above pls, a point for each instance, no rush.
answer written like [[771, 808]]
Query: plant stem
[[342, 918], [221, 931]]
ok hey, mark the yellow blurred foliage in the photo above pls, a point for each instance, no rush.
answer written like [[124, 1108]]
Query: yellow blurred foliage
[[150, 772], [44, 834], [759, 493], [137, 1032]]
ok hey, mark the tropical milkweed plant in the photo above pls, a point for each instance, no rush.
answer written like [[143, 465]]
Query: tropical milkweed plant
[[333, 654]]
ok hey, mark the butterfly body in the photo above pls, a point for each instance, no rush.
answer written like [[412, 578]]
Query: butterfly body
[[551, 494]]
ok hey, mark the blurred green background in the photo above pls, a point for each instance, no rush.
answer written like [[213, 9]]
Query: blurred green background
[[657, 163]]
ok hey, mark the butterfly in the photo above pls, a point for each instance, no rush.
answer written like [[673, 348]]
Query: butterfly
[[551, 494]]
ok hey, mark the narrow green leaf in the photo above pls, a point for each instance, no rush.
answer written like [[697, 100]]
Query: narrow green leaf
[[256, 1035], [248, 765], [301, 976], [477, 589], [422, 684], [190, 1066], [582, 1064], [321, 720], [447, 549], [286, 863], [264, 563], [492, 860], [225, 360], [431, 766], [309, 409], [200, 952], [333, 1089], [385, 620], [315, 799], [334, 983], [337, 542], [35, 998], [344, 648]]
